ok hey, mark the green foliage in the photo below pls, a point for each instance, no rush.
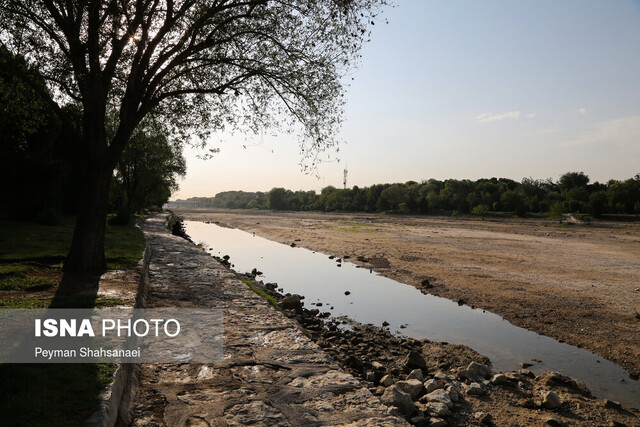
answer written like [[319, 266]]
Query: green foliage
[[146, 173], [277, 199], [480, 210], [35, 166], [495, 195], [271, 300]]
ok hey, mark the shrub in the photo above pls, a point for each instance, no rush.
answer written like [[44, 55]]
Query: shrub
[[480, 210]]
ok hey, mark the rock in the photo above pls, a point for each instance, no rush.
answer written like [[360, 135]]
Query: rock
[[475, 389], [527, 373], [347, 293], [416, 374], [385, 324], [393, 395], [414, 360], [551, 400], [419, 420], [556, 422], [441, 376], [499, 379], [525, 365], [611, 404], [438, 396], [555, 378], [394, 411], [483, 417], [437, 422], [479, 370], [453, 393], [386, 380], [427, 284], [293, 245], [432, 385], [370, 376], [412, 386], [291, 302], [378, 366], [438, 409], [354, 363]]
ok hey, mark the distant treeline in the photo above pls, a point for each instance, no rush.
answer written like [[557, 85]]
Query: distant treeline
[[573, 192]]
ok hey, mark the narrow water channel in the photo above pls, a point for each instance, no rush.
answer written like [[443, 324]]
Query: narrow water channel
[[375, 299]]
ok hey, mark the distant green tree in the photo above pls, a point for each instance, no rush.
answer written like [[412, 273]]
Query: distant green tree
[[147, 172], [572, 180], [598, 202], [278, 199], [514, 201], [392, 197]]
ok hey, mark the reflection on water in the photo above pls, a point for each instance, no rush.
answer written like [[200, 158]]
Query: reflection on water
[[375, 299]]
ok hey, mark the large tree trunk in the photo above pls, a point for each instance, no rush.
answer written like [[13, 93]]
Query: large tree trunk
[[87, 246]]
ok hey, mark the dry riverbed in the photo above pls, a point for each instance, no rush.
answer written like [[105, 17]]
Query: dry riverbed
[[577, 283]]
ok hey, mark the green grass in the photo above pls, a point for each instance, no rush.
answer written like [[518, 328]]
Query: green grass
[[21, 276], [271, 300], [22, 242], [68, 302]]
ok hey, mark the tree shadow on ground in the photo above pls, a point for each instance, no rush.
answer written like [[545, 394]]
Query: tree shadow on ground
[[55, 394]]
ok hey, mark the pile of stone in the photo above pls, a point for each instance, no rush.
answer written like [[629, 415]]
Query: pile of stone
[[434, 393]]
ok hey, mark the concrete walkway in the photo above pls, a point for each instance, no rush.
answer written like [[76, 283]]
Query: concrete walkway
[[271, 375]]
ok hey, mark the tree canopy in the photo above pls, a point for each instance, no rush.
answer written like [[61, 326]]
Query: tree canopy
[[196, 66], [498, 195]]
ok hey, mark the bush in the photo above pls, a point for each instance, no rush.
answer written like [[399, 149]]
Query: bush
[[557, 209], [480, 210]]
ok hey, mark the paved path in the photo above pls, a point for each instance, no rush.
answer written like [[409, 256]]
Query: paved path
[[271, 375]]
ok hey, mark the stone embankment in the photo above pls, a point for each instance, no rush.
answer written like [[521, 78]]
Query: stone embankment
[[272, 374]]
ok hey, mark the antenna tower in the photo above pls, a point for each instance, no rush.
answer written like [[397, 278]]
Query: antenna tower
[[344, 182]]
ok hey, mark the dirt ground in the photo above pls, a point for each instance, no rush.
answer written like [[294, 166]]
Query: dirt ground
[[578, 283]]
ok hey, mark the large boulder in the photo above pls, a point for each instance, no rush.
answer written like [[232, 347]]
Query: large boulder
[[551, 400], [414, 360], [292, 302], [393, 395], [416, 374], [475, 371], [475, 389], [412, 386], [439, 395]]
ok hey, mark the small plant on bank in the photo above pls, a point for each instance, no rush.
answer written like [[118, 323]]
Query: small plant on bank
[[271, 300]]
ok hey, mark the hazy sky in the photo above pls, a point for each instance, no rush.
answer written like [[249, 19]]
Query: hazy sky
[[469, 89]]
